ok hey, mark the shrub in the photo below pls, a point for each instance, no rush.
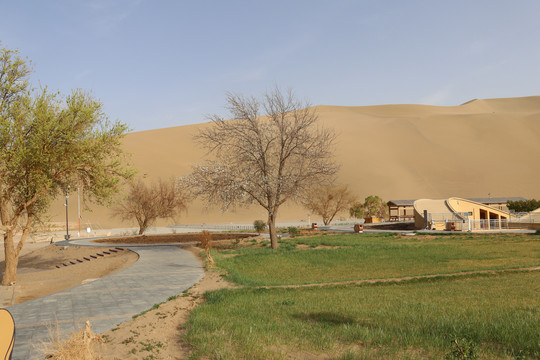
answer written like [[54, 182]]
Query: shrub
[[293, 231], [259, 226]]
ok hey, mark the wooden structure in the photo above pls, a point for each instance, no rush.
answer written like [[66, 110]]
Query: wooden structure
[[401, 210]]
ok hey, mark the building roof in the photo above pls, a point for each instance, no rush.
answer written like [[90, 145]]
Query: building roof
[[496, 200], [488, 200], [401, 202]]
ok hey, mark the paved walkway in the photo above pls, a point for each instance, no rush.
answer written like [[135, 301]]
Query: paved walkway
[[160, 272]]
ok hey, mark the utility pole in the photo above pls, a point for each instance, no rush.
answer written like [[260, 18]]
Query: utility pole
[[79, 210]]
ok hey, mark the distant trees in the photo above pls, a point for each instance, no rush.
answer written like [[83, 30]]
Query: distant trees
[[373, 206], [523, 205], [357, 210], [147, 202], [263, 159], [329, 200], [48, 142]]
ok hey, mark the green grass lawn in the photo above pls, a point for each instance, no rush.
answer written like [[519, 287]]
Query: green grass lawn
[[498, 314], [358, 257]]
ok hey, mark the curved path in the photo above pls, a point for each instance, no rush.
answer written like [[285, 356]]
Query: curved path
[[160, 272]]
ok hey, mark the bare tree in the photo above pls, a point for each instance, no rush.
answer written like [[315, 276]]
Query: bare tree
[[206, 243], [266, 160], [327, 201], [146, 203]]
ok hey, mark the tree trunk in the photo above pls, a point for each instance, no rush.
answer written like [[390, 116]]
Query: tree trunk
[[272, 230], [12, 260], [211, 262], [142, 226]]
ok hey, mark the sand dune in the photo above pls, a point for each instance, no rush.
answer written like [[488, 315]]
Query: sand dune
[[394, 151]]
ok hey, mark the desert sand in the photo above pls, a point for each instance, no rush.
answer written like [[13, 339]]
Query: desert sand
[[395, 151]]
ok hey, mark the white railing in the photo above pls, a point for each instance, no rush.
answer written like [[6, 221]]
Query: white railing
[[471, 225], [216, 227], [532, 217], [491, 224], [457, 216]]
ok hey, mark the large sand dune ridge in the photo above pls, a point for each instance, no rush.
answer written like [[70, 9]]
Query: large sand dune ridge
[[395, 151]]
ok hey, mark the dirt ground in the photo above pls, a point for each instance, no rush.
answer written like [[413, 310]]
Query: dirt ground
[[156, 334], [42, 271]]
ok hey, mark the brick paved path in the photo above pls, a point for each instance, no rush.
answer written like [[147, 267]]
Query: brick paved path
[[160, 272]]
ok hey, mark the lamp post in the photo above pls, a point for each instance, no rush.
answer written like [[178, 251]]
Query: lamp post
[[79, 210], [67, 222]]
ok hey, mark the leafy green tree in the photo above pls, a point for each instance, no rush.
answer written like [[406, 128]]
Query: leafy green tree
[[523, 205], [373, 206], [47, 143]]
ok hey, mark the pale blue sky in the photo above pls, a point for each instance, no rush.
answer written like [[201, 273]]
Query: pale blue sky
[[158, 63]]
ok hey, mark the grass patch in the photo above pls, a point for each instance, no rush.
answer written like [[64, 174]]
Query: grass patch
[[498, 315], [354, 257], [489, 316]]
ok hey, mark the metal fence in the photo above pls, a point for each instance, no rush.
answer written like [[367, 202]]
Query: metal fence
[[457, 216], [471, 225], [531, 218], [248, 227], [217, 227]]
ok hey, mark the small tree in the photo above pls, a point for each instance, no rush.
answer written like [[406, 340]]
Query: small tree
[[523, 205], [146, 203], [48, 142], [266, 160], [259, 226], [206, 244], [373, 206], [328, 201], [357, 210]]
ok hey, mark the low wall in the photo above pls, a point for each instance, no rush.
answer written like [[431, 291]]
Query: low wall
[[523, 225]]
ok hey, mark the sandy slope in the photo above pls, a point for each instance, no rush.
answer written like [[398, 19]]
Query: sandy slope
[[394, 151]]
